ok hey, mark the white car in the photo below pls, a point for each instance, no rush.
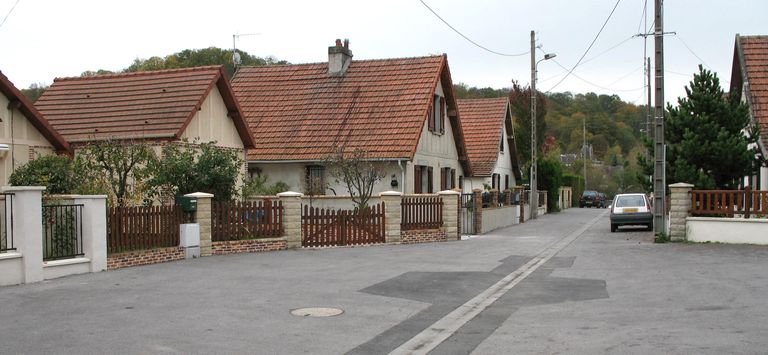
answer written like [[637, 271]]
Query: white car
[[631, 209]]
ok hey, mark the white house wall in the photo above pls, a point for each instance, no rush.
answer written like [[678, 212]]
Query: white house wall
[[435, 150], [25, 143], [211, 123], [294, 174]]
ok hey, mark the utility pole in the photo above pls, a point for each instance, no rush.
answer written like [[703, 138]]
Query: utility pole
[[534, 193], [648, 120], [659, 173], [584, 148]]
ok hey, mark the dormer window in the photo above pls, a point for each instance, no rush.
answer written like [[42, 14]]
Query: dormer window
[[435, 117]]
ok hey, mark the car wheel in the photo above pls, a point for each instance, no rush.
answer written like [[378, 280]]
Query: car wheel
[[613, 227]]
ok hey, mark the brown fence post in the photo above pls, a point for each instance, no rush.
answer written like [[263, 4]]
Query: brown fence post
[[291, 218], [477, 211], [679, 210], [494, 198], [451, 200], [747, 201], [203, 218], [392, 215]]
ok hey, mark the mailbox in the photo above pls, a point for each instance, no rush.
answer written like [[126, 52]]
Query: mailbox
[[188, 204]]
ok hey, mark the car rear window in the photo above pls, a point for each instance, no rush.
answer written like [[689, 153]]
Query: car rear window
[[590, 193], [630, 201]]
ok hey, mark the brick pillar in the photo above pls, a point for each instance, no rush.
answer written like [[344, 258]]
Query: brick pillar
[[291, 218], [27, 229], [680, 207], [477, 210], [203, 218], [508, 198], [392, 215], [451, 200], [94, 226], [494, 198]]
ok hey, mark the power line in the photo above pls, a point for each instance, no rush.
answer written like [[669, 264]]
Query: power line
[[468, 39], [596, 85], [588, 60], [9, 12], [588, 48], [691, 50]]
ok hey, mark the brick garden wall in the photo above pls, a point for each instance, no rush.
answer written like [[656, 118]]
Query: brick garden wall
[[144, 257], [248, 246], [423, 236]]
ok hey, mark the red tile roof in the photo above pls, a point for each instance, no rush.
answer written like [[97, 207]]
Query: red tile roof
[[299, 112], [482, 121], [751, 66], [152, 104], [33, 115]]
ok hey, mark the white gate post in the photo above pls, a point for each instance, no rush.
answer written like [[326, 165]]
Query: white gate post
[[28, 229]]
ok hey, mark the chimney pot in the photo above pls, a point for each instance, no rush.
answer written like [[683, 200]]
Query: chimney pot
[[339, 58]]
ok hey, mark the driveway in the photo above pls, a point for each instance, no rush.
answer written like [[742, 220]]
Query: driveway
[[559, 284]]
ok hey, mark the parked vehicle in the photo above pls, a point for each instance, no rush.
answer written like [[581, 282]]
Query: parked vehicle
[[631, 209], [592, 198]]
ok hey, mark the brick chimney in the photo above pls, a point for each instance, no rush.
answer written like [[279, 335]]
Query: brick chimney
[[339, 58]]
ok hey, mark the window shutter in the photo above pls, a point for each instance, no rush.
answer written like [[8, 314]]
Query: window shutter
[[453, 178], [417, 179], [442, 179], [506, 181], [430, 119], [442, 111], [461, 182], [430, 188]]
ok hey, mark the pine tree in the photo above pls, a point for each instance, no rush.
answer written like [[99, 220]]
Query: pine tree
[[706, 145]]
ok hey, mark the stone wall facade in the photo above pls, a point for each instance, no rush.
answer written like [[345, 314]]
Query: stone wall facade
[[144, 257], [423, 236], [249, 246]]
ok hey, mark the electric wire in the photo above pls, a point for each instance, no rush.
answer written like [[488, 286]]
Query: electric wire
[[469, 39], [692, 52], [588, 60], [9, 12], [597, 85], [588, 48]]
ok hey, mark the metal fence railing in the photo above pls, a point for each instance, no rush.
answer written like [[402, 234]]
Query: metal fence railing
[[6, 223], [62, 231]]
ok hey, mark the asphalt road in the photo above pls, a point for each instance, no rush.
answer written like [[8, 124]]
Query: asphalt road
[[560, 284]]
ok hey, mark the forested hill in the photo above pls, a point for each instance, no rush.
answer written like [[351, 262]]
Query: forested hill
[[613, 127]]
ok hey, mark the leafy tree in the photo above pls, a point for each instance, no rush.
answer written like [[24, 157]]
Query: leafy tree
[[358, 174], [520, 101], [188, 167], [200, 57], [257, 186], [123, 166], [52, 171], [706, 145], [462, 91], [35, 91], [550, 179]]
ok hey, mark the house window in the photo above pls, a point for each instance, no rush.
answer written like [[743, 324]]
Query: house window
[[506, 182], [315, 180], [447, 178], [461, 183], [422, 179], [501, 145], [435, 116], [495, 181]]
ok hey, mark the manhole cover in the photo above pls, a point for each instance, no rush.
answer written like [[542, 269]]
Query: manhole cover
[[316, 312]]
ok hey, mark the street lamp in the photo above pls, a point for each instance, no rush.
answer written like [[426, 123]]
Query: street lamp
[[534, 65]]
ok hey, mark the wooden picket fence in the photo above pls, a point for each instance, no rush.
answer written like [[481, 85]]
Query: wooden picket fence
[[322, 227], [421, 212], [237, 220], [729, 203], [144, 227]]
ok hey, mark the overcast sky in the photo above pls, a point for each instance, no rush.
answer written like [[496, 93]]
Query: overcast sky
[[44, 39]]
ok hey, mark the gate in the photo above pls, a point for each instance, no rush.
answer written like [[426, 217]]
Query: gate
[[322, 227], [466, 216]]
